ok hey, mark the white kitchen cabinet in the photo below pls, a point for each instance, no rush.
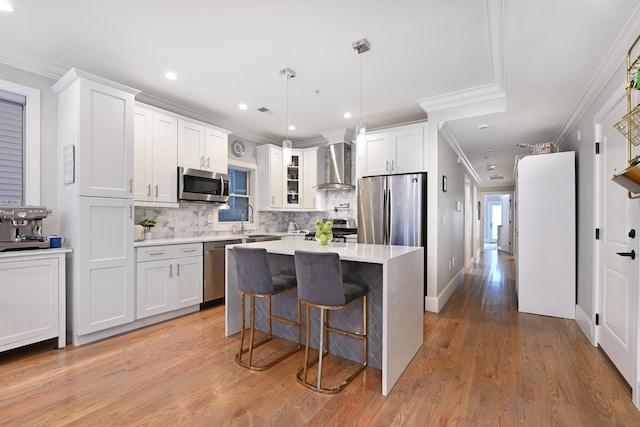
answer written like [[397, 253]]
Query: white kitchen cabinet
[[270, 177], [293, 181], [156, 152], [105, 286], [32, 298], [202, 147], [96, 118], [95, 205], [546, 234], [169, 277], [291, 186], [313, 174], [216, 150], [394, 151]]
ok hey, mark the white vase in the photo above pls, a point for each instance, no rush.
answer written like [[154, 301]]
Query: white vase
[[148, 235]]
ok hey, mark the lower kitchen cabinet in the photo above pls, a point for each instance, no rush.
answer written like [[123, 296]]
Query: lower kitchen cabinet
[[32, 298], [169, 277]]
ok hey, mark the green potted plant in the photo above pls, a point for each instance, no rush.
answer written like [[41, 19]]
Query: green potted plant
[[148, 224]]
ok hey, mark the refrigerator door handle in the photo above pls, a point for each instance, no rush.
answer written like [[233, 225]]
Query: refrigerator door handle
[[387, 220]]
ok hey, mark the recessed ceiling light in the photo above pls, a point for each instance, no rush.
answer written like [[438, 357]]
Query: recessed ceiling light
[[483, 127], [170, 75], [5, 6], [347, 115], [243, 106], [292, 127]]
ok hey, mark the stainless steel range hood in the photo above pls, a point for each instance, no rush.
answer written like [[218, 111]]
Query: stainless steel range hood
[[339, 168]]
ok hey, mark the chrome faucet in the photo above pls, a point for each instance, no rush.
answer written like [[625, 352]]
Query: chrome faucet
[[249, 217]]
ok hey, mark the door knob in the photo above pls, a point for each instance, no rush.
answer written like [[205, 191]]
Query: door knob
[[632, 233], [631, 254]]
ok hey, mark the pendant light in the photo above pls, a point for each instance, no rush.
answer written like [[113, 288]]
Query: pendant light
[[361, 46], [287, 145]]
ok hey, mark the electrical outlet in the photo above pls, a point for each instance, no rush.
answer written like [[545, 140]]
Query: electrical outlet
[[210, 219]]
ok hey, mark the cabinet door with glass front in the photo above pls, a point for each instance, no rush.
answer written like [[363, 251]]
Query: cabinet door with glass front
[[293, 174]]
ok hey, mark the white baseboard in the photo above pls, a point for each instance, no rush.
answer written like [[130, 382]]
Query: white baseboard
[[435, 304], [586, 324]]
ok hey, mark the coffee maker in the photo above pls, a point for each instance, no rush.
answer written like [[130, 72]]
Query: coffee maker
[[21, 227]]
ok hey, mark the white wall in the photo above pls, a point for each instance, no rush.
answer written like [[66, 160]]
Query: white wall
[[450, 220], [585, 154]]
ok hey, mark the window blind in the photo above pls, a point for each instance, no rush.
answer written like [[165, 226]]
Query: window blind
[[11, 148]]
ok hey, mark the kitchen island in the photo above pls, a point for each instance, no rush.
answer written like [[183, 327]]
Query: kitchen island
[[395, 276]]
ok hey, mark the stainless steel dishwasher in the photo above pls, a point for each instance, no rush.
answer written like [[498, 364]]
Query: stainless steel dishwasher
[[214, 260]]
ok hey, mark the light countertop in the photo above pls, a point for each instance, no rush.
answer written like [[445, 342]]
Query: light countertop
[[360, 252], [202, 239], [34, 252]]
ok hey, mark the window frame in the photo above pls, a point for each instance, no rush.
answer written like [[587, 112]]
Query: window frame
[[31, 178], [252, 168]]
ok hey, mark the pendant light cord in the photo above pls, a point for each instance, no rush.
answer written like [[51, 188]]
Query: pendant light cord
[[361, 75]]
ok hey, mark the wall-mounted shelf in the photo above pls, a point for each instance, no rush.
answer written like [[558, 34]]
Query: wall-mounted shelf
[[629, 126]]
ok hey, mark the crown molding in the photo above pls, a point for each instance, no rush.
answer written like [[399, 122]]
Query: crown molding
[[483, 99], [27, 62], [453, 143]]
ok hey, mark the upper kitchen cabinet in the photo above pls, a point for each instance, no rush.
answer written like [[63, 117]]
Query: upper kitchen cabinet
[[293, 181], [156, 157], [394, 151], [202, 147], [95, 117], [313, 174], [290, 186], [270, 173]]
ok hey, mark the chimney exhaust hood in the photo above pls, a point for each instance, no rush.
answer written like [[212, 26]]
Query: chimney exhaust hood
[[339, 161]]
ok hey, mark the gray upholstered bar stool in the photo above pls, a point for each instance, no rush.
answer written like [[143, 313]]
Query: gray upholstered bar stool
[[255, 280], [320, 285]]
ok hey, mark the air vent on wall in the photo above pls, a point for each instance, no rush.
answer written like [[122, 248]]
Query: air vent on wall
[[494, 177]]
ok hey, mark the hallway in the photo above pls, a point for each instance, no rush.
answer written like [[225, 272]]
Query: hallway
[[482, 363], [495, 366]]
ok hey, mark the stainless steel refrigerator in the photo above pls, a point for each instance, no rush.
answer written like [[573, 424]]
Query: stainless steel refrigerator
[[392, 209]]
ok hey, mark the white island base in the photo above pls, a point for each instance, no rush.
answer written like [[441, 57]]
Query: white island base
[[395, 276]]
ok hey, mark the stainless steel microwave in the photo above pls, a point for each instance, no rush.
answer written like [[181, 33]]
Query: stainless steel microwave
[[202, 186]]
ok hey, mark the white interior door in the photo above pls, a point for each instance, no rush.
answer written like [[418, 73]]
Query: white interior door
[[618, 274], [504, 244]]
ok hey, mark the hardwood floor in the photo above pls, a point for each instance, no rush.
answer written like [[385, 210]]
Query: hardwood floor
[[482, 363]]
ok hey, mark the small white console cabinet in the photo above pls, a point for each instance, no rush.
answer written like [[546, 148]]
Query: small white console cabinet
[[32, 297]]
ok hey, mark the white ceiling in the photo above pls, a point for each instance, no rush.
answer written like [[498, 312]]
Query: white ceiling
[[537, 56]]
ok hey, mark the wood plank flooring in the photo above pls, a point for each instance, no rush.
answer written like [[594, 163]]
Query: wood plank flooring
[[482, 363]]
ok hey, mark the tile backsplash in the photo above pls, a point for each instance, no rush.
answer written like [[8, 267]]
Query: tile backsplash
[[191, 219]]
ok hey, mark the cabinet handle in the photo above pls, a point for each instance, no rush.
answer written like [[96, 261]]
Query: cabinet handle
[[177, 270], [156, 191], [387, 168], [273, 200], [393, 164], [149, 190], [208, 161], [131, 185], [170, 270], [189, 250], [202, 161], [130, 211], [156, 253]]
